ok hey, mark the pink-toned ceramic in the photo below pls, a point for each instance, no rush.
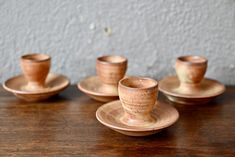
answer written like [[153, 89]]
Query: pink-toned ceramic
[[190, 71], [97, 90], [35, 68], [55, 83], [138, 96], [189, 86], [104, 87], [110, 115], [209, 90], [111, 69]]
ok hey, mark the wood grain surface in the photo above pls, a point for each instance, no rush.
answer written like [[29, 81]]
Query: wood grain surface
[[65, 125]]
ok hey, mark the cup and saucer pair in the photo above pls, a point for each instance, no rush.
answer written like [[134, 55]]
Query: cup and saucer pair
[[190, 87], [36, 83], [103, 87], [137, 113]]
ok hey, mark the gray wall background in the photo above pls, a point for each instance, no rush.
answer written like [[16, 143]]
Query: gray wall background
[[151, 33]]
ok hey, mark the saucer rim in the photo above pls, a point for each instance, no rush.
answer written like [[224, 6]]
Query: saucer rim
[[179, 95], [21, 92], [139, 129], [92, 92]]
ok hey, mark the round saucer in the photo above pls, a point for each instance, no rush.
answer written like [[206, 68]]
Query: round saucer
[[110, 115], [209, 90], [94, 88], [55, 83]]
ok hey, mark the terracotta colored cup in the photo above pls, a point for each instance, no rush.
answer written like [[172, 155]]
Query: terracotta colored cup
[[138, 96], [190, 70], [35, 68], [111, 69]]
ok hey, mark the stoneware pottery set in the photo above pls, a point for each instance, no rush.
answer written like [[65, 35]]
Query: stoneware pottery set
[[131, 105]]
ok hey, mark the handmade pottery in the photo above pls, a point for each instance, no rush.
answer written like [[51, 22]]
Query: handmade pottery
[[190, 71], [54, 84], [190, 86], [111, 69], [138, 96], [35, 68], [111, 114], [97, 90], [209, 89], [103, 87]]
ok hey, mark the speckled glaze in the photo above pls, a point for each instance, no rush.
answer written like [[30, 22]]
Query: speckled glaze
[[138, 96], [110, 115], [35, 68], [111, 69], [190, 71]]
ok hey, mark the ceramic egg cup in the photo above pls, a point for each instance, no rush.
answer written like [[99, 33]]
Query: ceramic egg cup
[[111, 114], [103, 87], [189, 86], [36, 83], [137, 113]]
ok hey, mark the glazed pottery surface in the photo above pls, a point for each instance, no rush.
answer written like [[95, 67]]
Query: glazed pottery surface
[[208, 90], [97, 90], [111, 114], [111, 69], [35, 68], [55, 83], [138, 96], [190, 71]]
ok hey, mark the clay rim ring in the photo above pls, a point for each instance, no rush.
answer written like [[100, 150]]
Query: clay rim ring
[[36, 92], [166, 91], [187, 59], [35, 57], [102, 61], [135, 130], [92, 92], [120, 83]]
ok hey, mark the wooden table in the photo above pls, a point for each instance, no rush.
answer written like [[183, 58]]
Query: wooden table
[[66, 126]]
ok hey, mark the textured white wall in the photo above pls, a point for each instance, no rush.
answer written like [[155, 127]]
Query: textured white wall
[[151, 33]]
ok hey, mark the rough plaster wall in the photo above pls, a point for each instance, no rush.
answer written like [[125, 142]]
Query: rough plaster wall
[[151, 33]]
